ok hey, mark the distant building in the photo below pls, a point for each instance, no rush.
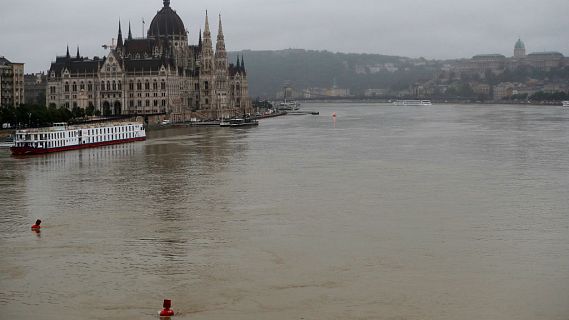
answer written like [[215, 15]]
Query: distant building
[[376, 92], [545, 61], [158, 74], [481, 89], [503, 90], [497, 63], [11, 83], [333, 92], [35, 86], [519, 49]]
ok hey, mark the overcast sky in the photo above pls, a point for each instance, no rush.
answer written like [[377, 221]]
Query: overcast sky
[[34, 32]]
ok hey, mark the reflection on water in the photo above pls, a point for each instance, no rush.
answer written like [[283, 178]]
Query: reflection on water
[[445, 212]]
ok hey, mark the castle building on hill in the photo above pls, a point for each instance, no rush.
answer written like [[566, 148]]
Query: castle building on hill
[[497, 63], [159, 74]]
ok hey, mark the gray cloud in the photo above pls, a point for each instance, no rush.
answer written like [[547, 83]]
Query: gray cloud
[[34, 32]]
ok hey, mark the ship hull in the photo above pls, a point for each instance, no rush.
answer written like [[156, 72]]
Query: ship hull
[[23, 151]]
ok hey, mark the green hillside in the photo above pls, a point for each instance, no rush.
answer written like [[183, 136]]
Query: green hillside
[[268, 71]]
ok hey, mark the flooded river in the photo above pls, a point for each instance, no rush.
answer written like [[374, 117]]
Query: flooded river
[[443, 212]]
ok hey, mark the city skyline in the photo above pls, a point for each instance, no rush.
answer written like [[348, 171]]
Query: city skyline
[[441, 30]]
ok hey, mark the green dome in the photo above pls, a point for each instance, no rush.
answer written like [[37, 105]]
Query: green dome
[[520, 44]]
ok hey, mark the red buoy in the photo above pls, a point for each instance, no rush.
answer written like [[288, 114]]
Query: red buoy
[[167, 312], [37, 225]]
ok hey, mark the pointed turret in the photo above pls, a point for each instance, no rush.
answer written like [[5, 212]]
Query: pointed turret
[[129, 32], [68, 55], [220, 32], [206, 30], [78, 55], [243, 63], [238, 63], [119, 38], [220, 45], [200, 41], [207, 46]]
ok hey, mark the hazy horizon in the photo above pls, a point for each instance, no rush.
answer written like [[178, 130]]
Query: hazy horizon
[[437, 30]]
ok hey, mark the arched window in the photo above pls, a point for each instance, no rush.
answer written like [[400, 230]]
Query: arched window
[[155, 85], [163, 85], [131, 86], [139, 85], [120, 85], [67, 87], [82, 86], [114, 85], [102, 85], [147, 85], [108, 86], [89, 86]]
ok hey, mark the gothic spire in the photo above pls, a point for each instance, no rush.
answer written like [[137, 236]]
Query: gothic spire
[[220, 33], [119, 38], [68, 55], [206, 31], [78, 55], [220, 45], [238, 63], [129, 32], [166, 3], [242, 62], [200, 41]]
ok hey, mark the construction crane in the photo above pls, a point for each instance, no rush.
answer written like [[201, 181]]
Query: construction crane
[[109, 46]]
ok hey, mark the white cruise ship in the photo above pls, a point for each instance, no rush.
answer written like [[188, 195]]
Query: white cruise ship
[[62, 137]]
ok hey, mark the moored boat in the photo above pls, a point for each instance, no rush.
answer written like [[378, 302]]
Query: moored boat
[[239, 122], [566, 104], [413, 103], [62, 137]]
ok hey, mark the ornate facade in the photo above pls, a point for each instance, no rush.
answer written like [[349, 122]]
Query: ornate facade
[[161, 73]]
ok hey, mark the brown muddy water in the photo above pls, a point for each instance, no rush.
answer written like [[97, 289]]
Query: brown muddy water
[[442, 212]]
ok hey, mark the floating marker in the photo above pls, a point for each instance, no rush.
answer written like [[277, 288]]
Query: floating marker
[[36, 226], [167, 312]]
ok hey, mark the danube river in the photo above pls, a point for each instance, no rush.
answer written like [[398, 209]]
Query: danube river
[[443, 212]]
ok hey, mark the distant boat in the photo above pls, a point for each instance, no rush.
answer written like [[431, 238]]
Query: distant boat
[[239, 122], [413, 103], [566, 104], [289, 105]]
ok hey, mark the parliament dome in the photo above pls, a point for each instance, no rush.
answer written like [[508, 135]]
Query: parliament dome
[[166, 23]]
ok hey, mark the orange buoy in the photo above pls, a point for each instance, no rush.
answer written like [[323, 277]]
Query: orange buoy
[[167, 312]]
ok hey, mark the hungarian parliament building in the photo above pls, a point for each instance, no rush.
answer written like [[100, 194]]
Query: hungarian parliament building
[[159, 74]]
